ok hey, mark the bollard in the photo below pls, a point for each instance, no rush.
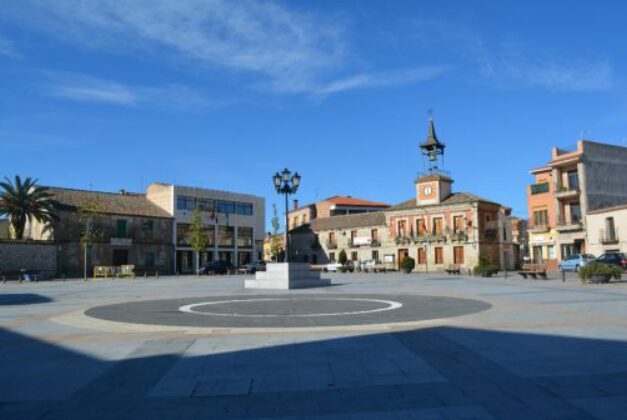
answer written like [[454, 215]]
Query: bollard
[[145, 275], [156, 274], [506, 273], [563, 276]]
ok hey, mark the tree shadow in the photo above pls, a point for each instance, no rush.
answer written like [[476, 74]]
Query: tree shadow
[[433, 372]]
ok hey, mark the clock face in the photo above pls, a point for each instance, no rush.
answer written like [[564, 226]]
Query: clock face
[[428, 190]]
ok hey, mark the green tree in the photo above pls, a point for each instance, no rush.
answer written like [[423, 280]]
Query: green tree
[[342, 258], [275, 241], [198, 236], [23, 201], [90, 230]]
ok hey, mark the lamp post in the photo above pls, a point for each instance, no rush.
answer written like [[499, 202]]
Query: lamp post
[[286, 183]]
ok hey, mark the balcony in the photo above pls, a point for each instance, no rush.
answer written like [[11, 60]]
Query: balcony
[[459, 236], [375, 243], [567, 192], [440, 237], [539, 228], [331, 245], [608, 238], [403, 240], [569, 225], [122, 241]]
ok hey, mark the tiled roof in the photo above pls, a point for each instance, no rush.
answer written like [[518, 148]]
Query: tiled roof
[[128, 204], [611, 208], [375, 218], [350, 201], [455, 198]]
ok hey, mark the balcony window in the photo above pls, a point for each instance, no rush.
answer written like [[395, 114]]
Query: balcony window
[[421, 227], [575, 213], [541, 218], [610, 229], [540, 188], [573, 180], [374, 234], [437, 226], [120, 228]]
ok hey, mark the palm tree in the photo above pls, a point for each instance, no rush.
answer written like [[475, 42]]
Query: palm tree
[[24, 201]]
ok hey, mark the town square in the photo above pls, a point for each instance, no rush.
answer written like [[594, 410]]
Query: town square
[[264, 209]]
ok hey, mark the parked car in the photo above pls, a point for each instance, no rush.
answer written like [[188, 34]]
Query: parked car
[[216, 267], [575, 262], [366, 265], [253, 267], [335, 266], [613, 258]]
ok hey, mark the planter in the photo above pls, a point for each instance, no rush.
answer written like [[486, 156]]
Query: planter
[[600, 278], [406, 270]]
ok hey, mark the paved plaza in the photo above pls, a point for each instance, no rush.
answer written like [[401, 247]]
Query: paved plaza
[[371, 346]]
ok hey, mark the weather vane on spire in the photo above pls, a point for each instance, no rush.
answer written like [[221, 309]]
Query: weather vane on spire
[[432, 147]]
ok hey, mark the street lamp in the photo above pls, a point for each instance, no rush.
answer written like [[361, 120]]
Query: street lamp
[[286, 183]]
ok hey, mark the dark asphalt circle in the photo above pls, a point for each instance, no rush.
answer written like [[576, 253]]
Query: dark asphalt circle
[[287, 311]]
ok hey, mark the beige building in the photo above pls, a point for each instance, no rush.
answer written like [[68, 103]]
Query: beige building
[[333, 206], [437, 227], [607, 230]]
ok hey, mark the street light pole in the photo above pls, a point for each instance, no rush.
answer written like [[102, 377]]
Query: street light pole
[[286, 183]]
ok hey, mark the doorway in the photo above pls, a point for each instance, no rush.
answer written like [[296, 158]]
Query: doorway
[[120, 257]]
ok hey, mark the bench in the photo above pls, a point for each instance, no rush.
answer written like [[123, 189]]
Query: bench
[[453, 269], [12, 275], [533, 270]]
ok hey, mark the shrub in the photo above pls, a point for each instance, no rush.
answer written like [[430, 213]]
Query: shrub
[[408, 264], [342, 258], [484, 268], [599, 269]]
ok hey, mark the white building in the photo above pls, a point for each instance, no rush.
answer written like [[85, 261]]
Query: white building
[[607, 230], [234, 223]]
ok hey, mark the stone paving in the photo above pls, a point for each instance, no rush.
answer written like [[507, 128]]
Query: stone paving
[[535, 348]]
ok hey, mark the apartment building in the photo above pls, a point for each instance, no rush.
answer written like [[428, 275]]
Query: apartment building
[[576, 181], [234, 224]]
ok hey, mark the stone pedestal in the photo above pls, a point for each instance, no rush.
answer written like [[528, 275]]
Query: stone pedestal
[[285, 276]]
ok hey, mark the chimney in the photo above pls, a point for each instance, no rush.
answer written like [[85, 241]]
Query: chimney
[[295, 204]]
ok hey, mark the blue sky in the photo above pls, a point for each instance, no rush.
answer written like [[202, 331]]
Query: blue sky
[[221, 94]]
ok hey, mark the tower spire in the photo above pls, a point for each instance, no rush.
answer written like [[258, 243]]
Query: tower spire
[[432, 147]]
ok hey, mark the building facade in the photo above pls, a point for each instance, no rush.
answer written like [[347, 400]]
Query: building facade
[[437, 227], [607, 230], [578, 180], [126, 228], [234, 224], [332, 206]]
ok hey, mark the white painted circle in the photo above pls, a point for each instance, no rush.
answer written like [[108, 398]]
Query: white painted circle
[[392, 305]]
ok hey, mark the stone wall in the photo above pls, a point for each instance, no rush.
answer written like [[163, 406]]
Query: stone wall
[[29, 255]]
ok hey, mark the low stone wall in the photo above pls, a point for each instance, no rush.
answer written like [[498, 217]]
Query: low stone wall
[[30, 255]]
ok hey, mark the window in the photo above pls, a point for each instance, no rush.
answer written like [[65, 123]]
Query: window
[[150, 259], [458, 224], [375, 256], [575, 212], [421, 227], [437, 226], [458, 255], [148, 226], [610, 229], [120, 228], [225, 236], [541, 218], [353, 235], [332, 256], [537, 255], [205, 204], [245, 209], [374, 234], [401, 228], [540, 188], [185, 203], [245, 237], [573, 180], [331, 238], [354, 256], [182, 234], [422, 256], [439, 255], [550, 251]]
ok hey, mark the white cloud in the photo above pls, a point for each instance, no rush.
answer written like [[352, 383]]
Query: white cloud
[[83, 88], [290, 50]]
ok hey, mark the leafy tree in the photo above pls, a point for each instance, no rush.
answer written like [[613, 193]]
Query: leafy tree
[[275, 241], [342, 258], [198, 236], [90, 232], [23, 201]]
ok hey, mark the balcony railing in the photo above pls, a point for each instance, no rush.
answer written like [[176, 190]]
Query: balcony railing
[[564, 225], [539, 228], [459, 236], [331, 245], [375, 243], [564, 191], [608, 238]]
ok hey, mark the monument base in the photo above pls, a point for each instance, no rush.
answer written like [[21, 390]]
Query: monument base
[[285, 276]]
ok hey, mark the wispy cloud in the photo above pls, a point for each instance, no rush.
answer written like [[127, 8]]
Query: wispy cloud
[[83, 88], [382, 79], [8, 49], [510, 64]]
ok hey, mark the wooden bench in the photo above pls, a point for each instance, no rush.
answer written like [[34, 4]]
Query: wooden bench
[[12, 275], [453, 269], [533, 270]]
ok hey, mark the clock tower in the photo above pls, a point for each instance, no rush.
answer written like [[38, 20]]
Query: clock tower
[[434, 186]]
